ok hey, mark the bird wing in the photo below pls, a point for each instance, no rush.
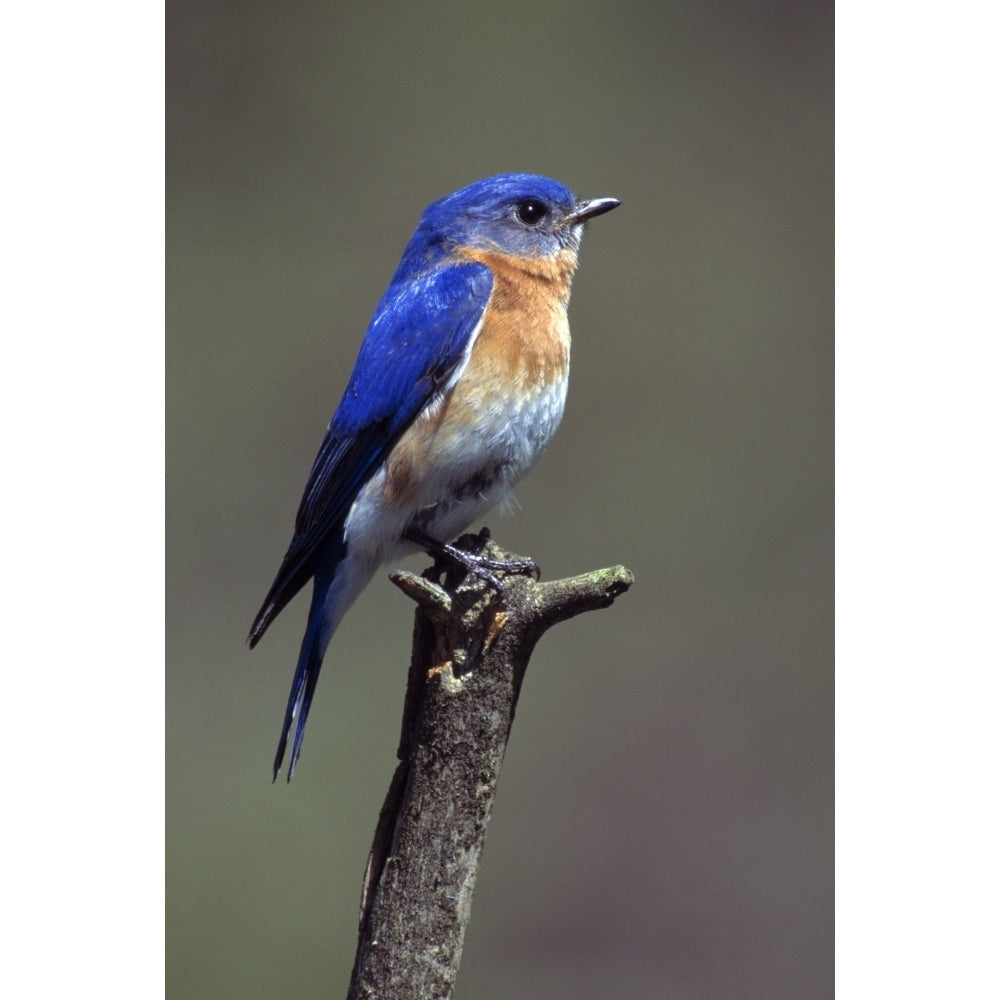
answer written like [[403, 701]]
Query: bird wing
[[414, 347]]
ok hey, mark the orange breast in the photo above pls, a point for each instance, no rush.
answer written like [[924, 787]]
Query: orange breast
[[508, 400], [524, 343]]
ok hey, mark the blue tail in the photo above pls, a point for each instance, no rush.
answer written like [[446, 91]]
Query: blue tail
[[338, 581], [307, 670]]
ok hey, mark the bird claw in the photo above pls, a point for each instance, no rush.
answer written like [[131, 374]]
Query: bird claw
[[477, 562]]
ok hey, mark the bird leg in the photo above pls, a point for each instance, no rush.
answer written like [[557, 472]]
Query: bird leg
[[472, 562]]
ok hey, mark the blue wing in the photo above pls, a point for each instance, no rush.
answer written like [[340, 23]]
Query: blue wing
[[415, 342]]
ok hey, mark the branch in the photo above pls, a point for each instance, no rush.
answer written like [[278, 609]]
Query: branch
[[470, 651]]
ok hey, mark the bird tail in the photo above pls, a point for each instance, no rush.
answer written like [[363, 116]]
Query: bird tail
[[303, 687], [334, 591]]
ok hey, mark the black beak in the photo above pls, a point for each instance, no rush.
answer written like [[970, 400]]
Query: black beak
[[590, 208]]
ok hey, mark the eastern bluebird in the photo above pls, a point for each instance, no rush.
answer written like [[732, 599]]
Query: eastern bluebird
[[458, 387]]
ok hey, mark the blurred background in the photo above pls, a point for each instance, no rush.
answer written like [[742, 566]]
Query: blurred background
[[665, 820]]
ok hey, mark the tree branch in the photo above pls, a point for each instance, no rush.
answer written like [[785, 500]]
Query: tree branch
[[471, 648]]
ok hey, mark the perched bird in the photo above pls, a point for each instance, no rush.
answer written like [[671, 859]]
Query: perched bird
[[458, 387]]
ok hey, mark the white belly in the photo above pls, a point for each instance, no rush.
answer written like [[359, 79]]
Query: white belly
[[445, 474]]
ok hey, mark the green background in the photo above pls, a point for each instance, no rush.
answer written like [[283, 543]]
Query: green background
[[665, 820]]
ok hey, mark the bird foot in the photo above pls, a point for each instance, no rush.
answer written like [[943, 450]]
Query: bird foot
[[477, 562]]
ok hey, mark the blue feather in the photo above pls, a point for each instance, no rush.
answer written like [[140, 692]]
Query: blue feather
[[414, 343]]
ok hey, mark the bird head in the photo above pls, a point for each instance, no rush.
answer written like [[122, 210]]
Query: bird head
[[519, 214]]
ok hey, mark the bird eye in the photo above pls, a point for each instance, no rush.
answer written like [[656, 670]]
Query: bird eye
[[532, 211]]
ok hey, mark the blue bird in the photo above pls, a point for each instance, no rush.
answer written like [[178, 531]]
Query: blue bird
[[458, 387]]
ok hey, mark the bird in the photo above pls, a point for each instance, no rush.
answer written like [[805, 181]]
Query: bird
[[458, 387]]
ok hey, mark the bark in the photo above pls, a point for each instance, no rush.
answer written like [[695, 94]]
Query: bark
[[471, 648]]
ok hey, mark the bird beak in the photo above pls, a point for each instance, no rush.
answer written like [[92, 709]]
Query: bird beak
[[588, 209]]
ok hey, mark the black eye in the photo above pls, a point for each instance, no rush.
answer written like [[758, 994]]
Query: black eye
[[532, 211]]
